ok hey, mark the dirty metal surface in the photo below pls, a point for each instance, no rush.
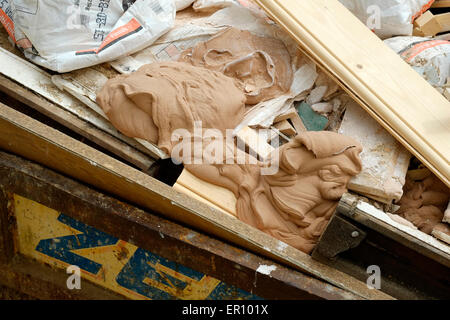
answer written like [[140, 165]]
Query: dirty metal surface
[[49, 222], [405, 270], [339, 236]]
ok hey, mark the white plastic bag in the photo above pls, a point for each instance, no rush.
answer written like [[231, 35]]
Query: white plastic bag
[[430, 58], [388, 18], [68, 35]]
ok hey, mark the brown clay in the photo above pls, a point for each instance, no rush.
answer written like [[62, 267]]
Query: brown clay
[[295, 204], [261, 65], [159, 98], [424, 202]]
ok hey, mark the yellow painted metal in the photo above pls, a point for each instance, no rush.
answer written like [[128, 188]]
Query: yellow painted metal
[[36, 222]]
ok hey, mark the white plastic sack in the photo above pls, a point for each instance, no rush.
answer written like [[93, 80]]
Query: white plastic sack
[[68, 35], [388, 18], [207, 5], [430, 58], [183, 4]]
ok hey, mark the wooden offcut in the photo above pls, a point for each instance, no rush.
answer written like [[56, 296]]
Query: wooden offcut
[[426, 25], [441, 4], [206, 192], [444, 21], [285, 127], [412, 111]]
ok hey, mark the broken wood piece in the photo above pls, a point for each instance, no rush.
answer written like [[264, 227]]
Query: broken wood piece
[[218, 196], [285, 127], [256, 143], [195, 196], [442, 232], [298, 123], [447, 93], [441, 4], [294, 118], [287, 115], [426, 25], [76, 124], [444, 21]]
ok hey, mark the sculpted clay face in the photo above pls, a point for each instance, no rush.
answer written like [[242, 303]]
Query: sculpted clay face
[[293, 205], [261, 65]]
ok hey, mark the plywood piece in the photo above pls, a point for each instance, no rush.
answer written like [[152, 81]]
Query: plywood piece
[[412, 111], [33, 140], [194, 195], [219, 196], [285, 128], [426, 25], [294, 118]]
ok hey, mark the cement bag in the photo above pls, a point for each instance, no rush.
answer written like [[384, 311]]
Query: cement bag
[[430, 58], [183, 4], [68, 35], [388, 18]]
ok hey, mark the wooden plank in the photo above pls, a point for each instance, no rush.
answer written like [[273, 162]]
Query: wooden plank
[[218, 196], [196, 196], [285, 127], [76, 124], [42, 189], [287, 115], [412, 111], [33, 140], [441, 4], [426, 25], [444, 21]]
